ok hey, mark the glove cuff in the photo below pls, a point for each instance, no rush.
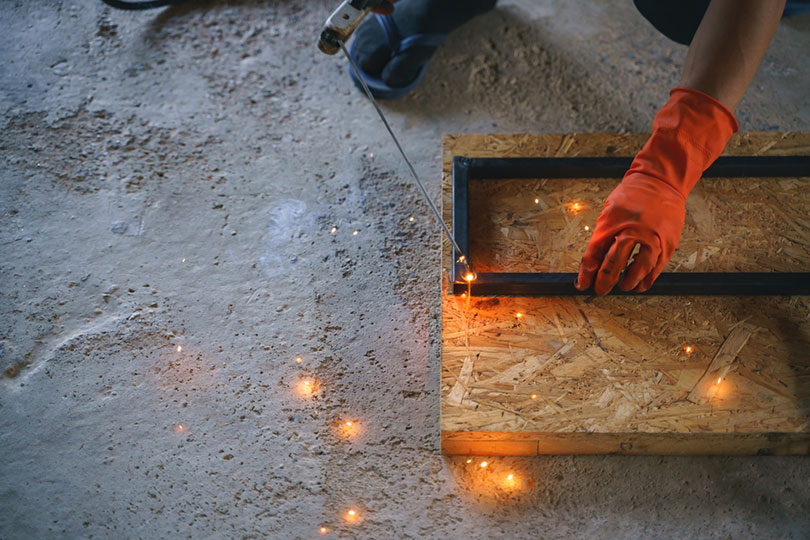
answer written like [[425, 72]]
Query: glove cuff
[[689, 133]]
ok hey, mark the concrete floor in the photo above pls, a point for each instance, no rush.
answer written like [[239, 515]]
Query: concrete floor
[[171, 179]]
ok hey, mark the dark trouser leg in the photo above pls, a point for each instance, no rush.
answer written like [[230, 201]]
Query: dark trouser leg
[[678, 20], [411, 17]]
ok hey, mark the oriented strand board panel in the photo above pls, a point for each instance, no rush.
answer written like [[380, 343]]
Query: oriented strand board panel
[[628, 375]]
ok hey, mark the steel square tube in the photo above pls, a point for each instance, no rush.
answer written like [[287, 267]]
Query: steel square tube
[[466, 169]]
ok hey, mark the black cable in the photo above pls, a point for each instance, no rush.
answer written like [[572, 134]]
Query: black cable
[[145, 4]]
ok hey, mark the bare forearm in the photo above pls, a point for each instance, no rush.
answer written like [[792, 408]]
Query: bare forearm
[[728, 47]]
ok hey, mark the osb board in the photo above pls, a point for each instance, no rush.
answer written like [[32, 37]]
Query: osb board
[[610, 375]]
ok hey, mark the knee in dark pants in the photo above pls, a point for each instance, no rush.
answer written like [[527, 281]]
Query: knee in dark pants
[[677, 20]]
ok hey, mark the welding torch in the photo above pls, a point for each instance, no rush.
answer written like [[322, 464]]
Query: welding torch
[[345, 19]]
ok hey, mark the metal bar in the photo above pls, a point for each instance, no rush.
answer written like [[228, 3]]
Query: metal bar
[[672, 284], [461, 219], [615, 167], [562, 283]]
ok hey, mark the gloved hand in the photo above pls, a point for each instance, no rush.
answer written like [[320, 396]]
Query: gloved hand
[[648, 206]]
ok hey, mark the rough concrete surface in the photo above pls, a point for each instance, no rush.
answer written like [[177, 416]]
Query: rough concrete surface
[[171, 178]]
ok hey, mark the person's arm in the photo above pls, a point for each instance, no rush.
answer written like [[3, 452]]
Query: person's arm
[[728, 47], [689, 133]]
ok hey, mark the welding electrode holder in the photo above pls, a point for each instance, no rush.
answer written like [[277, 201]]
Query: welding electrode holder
[[342, 23]]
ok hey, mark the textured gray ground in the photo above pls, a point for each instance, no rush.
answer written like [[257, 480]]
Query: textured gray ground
[[219, 134]]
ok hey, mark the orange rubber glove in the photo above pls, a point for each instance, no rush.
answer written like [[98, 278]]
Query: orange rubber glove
[[649, 205]]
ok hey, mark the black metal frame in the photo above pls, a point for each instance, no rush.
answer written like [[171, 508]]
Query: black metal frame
[[466, 169]]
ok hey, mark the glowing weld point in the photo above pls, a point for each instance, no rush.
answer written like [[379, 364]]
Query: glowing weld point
[[411, 219], [371, 155], [576, 206], [355, 233], [299, 360], [537, 201], [463, 294], [179, 348], [511, 476], [179, 428], [324, 530], [333, 230], [469, 276], [469, 460], [534, 396], [518, 315], [349, 424], [183, 260], [484, 464], [719, 380], [351, 515], [461, 259], [587, 228], [688, 349]]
